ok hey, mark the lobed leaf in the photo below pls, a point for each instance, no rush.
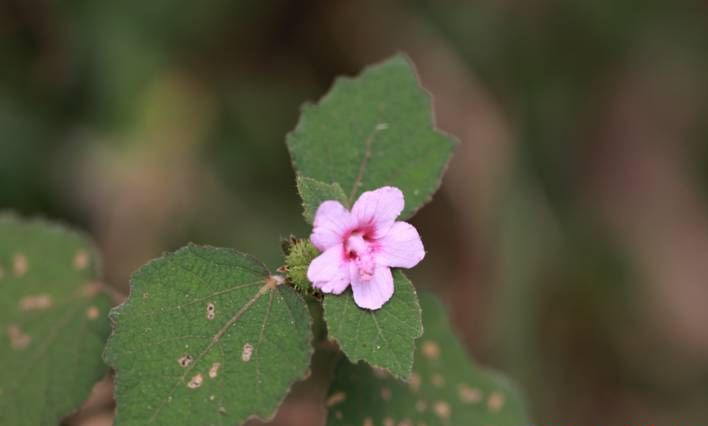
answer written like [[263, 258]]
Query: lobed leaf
[[446, 388], [53, 322], [206, 337], [385, 337], [371, 131]]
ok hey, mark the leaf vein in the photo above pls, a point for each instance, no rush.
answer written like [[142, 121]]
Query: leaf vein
[[368, 142], [214, 340], [381, 334]]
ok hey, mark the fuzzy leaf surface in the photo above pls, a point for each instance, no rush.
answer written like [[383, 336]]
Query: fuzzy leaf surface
[[385, 337], [53, 322], [370, 131], [314, 193], [206, 337], [446, 387]]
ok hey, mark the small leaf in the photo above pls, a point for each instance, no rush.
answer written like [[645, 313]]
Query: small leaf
[[372, 131], [446, 388], [314, 193], [206, 337], [385, 337], [53, 322]]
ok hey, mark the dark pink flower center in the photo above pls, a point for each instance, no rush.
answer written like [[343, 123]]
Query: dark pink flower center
[[359, 248]]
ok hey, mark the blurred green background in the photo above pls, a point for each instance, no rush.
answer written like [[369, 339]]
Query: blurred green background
[[570, 237]]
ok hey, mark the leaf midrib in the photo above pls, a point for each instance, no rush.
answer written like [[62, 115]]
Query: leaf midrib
[[216, 338]]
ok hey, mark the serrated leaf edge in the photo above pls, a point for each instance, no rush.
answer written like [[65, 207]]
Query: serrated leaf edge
[[398, 56], [115, 312], [413, 341]]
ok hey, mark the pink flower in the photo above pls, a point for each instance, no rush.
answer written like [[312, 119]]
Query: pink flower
[[360, 247]]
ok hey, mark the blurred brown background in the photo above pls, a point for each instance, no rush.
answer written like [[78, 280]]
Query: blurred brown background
[[570, 237]]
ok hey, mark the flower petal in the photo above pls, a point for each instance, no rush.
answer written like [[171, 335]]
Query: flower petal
[[329, 272], [380, 208], [332, 222], [401, 247], [372, 294]]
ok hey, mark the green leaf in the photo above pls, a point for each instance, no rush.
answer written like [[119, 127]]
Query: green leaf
[[208, 336], [446, 388], [385, 337], [314, 193], [372, 131], [53, 322]]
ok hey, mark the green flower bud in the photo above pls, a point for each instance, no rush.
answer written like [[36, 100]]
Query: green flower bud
[[301, 253]]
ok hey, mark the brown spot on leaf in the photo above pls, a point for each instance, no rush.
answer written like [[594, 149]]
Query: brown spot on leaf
[[368, 422], [92, 312], [196, 381], [414, 382], [430, 349], [496, 401], [214, 370], [211, 311], [442, 409], [36, 302], [246, 352], [437, 380], [81, 259], [91, 289], [385, 394], [469, 395], [18, 339], [336, 398], [389, 422], [185, 361], [20, 265]]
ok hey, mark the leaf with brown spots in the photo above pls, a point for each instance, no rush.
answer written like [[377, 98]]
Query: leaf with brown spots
[[208, 336], [52, 331], [445, 389]]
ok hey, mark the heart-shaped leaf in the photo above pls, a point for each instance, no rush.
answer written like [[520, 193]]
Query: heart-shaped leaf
[[446, 388], [371, 131], [385, 337], [208, 336], [53, 322]]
